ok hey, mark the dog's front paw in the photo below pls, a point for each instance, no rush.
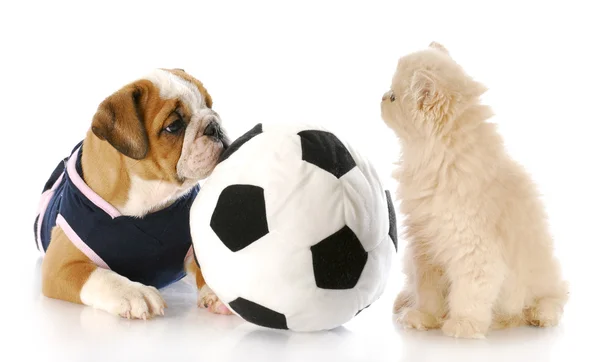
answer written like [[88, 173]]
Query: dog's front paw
[[209, 300], [415, 319], [118, 295], [139, 301], [463, 328]]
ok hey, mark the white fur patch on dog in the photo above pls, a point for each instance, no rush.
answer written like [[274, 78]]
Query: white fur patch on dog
[[171, 86], [146, 196], [115, 294]]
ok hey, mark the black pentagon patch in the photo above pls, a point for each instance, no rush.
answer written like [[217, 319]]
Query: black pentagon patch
[[392, 215], [338, 260], [259, 315], [235, 145], [324, 150], [240, 217]]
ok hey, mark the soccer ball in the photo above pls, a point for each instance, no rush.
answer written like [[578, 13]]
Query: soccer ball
[[293, 229]]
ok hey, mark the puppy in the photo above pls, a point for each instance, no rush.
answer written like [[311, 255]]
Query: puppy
[[479, 254], [113, 219]]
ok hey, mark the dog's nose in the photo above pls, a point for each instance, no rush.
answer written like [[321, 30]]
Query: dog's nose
[[212, 130]]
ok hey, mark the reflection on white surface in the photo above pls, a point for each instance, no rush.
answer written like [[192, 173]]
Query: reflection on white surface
[[53, 330]]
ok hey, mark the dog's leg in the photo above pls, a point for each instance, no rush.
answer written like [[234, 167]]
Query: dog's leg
[[428, 304], [475, 273], [206, 297], [68, 274]]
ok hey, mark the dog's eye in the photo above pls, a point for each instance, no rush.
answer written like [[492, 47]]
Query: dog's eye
[[176, 126], [392, 97]]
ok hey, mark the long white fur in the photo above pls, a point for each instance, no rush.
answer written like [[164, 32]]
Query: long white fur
[[479, 253]]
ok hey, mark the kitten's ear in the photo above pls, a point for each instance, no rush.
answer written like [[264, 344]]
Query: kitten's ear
[[438, 46], [427, 92]]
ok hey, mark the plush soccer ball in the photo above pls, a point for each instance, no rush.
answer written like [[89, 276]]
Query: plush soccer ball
[[293, 229]]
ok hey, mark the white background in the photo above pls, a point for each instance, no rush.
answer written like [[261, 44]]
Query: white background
[[326, 62]]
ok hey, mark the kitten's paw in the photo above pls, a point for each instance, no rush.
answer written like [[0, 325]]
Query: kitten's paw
[[415, 319], [463, 328], [546, 312]]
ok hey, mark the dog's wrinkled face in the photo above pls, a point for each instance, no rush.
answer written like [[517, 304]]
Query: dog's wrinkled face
[[427, 91], [190, 131], [165, 126]]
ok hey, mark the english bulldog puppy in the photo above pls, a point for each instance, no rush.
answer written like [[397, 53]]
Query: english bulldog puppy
[[113, 219]]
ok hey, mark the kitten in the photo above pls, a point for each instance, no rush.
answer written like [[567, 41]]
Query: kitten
[[479, 252]]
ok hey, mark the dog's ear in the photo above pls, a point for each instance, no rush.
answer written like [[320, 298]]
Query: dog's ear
[[428, 94], [119, 120], [438, 46]]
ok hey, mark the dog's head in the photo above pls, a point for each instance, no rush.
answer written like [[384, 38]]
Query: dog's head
[[164, 127], [429, 89]]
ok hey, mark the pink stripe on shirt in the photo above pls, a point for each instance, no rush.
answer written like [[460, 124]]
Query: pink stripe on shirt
[[86, 190], [76, 240]]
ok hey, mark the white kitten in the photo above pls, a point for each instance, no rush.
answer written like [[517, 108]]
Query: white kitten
[[479, 252]]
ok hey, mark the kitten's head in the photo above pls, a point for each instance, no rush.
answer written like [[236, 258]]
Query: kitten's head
[[429, 89]]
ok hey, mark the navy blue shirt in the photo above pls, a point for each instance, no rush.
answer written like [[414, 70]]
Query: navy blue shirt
[[150, 250]]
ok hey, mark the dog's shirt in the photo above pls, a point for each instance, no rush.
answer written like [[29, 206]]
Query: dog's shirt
[[150, 250]]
